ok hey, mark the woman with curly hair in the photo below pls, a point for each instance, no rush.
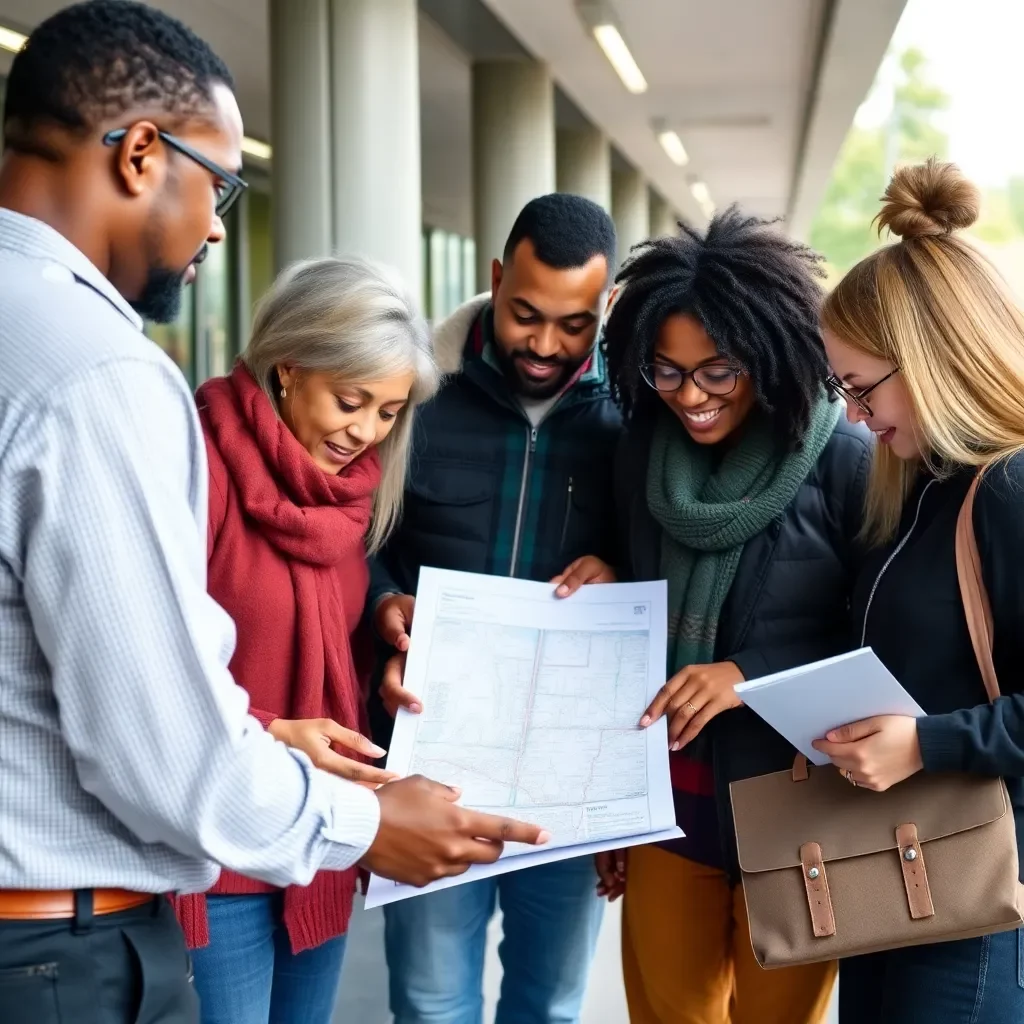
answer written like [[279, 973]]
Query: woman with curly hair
[[739, 483]]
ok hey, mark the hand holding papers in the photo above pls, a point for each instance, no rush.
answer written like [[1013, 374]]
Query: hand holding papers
[[805, 704], [530, 708]]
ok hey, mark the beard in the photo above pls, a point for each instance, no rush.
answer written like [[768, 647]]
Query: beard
[[161, 296], [523, 385], [160, 301]]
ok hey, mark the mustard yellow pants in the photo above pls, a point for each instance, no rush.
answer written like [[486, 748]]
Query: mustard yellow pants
[[686, 954]]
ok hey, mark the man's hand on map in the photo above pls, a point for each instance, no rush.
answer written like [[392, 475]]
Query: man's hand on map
[[611, 872], [588, 569], [392, 619], [692, 697], [392, 691], [424, 835]]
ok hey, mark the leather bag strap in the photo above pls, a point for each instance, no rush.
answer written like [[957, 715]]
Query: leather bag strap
[[819, 899], [973, 594]]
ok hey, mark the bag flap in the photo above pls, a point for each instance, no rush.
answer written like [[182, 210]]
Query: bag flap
[[774, 816]]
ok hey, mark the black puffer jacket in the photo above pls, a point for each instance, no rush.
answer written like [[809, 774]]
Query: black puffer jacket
[[789, 603], [907, 608]]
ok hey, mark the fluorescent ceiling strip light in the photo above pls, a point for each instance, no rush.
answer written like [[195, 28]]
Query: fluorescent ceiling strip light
[[673, 146], [615, 49], [11, 40], [257, 149], [700, 192]]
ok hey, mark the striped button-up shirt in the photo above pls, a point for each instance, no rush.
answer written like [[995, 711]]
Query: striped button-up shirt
[[127, 756]]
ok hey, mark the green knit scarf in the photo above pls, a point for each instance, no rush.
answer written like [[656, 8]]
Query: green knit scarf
[[709, 508]]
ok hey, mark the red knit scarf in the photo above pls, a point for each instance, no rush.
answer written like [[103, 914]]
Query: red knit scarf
[[314, 520]]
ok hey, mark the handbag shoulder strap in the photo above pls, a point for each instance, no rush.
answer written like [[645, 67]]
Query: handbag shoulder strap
[[975, 599]]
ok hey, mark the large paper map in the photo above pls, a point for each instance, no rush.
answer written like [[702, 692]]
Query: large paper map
[[531, 705]]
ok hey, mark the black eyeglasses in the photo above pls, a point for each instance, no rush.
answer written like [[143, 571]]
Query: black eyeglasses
[[857, 397], [712, 380], [228, 186]]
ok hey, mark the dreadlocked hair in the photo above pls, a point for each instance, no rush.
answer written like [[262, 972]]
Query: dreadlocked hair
[[755, 293]]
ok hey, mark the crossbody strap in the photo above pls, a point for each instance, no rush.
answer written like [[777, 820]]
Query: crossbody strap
[[977, 606]]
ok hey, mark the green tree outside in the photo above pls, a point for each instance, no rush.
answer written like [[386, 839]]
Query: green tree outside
[[843, 229]]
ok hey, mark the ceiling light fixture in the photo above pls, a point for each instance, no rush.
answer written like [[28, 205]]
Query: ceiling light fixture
[[673, 146], [256, 148], [11, 40], [702, 194], [609, 38]]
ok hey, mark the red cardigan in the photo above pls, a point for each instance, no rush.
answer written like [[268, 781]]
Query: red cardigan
[[251, 580]]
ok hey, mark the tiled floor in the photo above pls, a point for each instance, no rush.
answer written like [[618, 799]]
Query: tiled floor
[[364, 981]]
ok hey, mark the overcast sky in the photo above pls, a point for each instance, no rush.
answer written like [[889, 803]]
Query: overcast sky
[[975, 50]]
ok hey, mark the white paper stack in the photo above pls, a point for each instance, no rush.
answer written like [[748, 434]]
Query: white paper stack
[[803, 704]]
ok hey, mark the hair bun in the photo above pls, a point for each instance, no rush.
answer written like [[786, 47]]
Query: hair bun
[[932, 198]]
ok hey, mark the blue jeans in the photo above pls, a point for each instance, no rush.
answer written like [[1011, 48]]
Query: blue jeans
[[248, 973], [435, 947], [973, 981]]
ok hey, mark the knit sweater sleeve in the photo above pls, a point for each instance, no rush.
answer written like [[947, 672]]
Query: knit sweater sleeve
[[382, 583], [989, 739]]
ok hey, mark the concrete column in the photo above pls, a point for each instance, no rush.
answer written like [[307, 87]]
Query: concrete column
[[630, 210], [300, 129], [375, 96], [583, 164], [513, 150], [662, 217]]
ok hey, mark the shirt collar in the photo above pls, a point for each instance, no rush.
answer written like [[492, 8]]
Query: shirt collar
[[31, 238]]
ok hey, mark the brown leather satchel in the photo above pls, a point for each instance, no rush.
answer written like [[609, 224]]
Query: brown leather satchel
[[830, 870]]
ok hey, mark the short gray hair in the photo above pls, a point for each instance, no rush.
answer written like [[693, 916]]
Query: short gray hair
[[354, 320]]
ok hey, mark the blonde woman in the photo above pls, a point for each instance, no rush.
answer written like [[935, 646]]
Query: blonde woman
[[308, 440], [927, 346]]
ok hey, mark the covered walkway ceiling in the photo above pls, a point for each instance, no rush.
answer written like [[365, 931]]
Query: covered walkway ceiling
[[761, 92]]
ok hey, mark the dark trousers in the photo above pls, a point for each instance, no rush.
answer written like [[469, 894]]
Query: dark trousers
[[125, 968], [974, 981]]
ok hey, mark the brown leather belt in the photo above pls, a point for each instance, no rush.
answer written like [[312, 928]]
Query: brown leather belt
[[48, 905]]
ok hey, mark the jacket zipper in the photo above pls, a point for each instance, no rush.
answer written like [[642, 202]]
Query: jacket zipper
[[881, 572], [565, 521], [531, 447]]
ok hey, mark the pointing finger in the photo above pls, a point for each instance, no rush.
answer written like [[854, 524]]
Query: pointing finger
[[504, 830]]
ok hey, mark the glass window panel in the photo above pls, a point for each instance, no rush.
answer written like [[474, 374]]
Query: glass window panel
[[454, 258], [215, 298], [438, 276], [469, 285], [425, 266], [261, 245], [176, 339]]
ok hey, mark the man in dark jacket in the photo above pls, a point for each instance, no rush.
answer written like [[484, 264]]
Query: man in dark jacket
[[511, 475]]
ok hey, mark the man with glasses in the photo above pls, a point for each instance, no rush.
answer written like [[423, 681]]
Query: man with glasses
[[129, 768]]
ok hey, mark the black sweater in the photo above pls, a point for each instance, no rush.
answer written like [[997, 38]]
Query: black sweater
[[916, 624]]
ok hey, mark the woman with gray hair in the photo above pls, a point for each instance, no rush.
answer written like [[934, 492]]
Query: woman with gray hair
[[308, 440]]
